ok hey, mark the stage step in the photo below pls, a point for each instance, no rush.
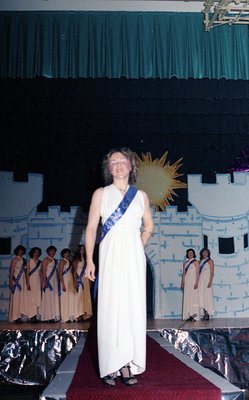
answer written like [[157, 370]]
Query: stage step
[[57, 389]]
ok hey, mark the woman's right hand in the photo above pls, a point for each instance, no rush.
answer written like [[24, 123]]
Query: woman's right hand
[[90, 271]]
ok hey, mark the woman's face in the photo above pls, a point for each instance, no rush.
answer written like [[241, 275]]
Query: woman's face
[[82, 250], [205, 254], [119, 166], [190, 254], [66, 255], [20, 253], [51, 253], [36, 254]]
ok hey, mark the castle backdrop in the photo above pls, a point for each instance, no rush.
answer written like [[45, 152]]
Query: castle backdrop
[[218, 217]]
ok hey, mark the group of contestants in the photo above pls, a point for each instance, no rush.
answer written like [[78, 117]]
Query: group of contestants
[[49, 290], [197, 281]]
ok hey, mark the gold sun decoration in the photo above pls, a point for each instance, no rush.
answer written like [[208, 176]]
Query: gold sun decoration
[[158, 180]]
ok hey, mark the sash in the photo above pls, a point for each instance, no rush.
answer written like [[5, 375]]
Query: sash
[[118, 212], [50, 276], [35, 268], [17, 279], [64, 273], [113, 219], [202, 265], [188, 265], [79, 278]]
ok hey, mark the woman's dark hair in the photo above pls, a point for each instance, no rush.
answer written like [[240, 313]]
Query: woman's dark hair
[[32, 251], [202, 251], [20, 247], [77, 255], [108, 178], [51, 248], [190, 250], [65, 251]]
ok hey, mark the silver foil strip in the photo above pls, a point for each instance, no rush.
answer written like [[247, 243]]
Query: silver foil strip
[[32, 357], [224, 351]]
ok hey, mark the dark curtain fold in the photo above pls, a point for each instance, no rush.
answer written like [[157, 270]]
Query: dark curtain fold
[[63, 127], [120, 44]]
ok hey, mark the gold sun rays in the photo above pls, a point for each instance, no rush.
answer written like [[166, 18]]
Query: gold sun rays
[[158, 180]]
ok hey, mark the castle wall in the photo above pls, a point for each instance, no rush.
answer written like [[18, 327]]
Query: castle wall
[[219, 212]]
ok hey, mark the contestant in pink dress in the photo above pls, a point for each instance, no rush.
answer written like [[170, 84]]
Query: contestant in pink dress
[[33, 277], [206, 295], [82, 298], [190, 279], [17, 285], [50, 309], [66, 287]]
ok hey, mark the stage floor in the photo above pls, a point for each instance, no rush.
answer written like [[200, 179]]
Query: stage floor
[[59, 385], [152, 324]]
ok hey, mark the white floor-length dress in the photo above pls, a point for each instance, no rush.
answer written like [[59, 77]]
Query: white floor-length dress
[[67, 297], [34, 294], [206, 296], [18, 299], [190, 295], [50, 299], [122, 288]]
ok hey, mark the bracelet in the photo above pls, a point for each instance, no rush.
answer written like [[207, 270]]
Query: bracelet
[[146, 230]]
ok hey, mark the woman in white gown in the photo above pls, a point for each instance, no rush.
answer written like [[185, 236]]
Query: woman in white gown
[[50, 310], [82, 297], [33, 277], [66, 287], [17, 285], [190, 279], [206, 296], [122, 268]]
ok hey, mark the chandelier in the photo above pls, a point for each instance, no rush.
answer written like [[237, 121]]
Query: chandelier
[[220, 12]]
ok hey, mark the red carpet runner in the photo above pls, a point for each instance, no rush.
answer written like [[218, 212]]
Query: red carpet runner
[[166, 378]]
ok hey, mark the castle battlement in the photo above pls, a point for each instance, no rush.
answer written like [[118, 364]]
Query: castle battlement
[[216, 207], [172, 215], [11, 191]]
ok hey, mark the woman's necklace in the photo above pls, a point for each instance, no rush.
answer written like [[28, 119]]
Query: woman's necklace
[[122, 190]]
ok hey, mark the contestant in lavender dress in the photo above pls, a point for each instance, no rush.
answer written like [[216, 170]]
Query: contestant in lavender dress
[[122, 268]]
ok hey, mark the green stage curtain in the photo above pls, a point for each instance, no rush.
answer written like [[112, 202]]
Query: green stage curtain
[[120, 44]]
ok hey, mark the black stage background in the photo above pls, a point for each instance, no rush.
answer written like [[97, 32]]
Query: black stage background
[[63, 127]]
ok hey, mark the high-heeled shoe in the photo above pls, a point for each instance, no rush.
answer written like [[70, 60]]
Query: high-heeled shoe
[[110, 380], [127, 380]]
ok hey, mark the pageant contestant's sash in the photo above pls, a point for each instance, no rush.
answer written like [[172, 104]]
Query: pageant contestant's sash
[[35, 268], [16, 280], [202, 264], [64, 273], [119, 212], [114, 218], [188, 265], [50, 276], [79, 278]]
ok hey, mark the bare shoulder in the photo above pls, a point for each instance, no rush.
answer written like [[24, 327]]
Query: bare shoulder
[[97, 195], [14, 261], [145, 196]]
